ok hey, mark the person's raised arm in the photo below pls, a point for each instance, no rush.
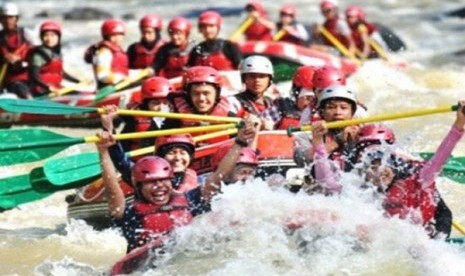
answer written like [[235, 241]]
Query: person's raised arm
[[116, 199]]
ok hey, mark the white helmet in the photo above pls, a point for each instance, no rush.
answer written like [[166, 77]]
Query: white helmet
[[10, 9], [257, 64], [337, 91]]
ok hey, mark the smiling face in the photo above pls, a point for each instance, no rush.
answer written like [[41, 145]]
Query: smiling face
[[50, 39], [257, 83], [203, 97], [337, 110], [178, 158], [148, 34], [116, 39], [157, 191], [178, 38]]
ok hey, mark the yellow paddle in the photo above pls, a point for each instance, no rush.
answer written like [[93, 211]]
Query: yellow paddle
[[378, 118], [107, 90], [336, 43], [241, 29], [3, 72], [279, 35], [67, 89], [458, 227]]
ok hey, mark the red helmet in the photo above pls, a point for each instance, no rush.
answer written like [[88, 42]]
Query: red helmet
[[50, 25], [156, 88], [166, 143], [248, 156], [288, 9], [201, 74], [210, 18], [151, 21], [355, 11], [113, 26], [376, 133], [327, 76], [180, 24], [303, 77], [151, 168], [328, 4], [255, 5]]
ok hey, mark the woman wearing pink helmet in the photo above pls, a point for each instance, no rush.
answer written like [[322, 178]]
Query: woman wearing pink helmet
[[215, 52], [295, 32], [171, 59], [142, 54], [46, 61], [262, 27]]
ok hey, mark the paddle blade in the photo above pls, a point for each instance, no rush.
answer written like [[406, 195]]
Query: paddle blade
[[80, 168], [42, 107], [29, 145], [11, 201], [15, 184], [104, 92]]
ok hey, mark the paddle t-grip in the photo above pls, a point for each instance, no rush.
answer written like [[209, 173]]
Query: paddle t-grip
[[291, 130]]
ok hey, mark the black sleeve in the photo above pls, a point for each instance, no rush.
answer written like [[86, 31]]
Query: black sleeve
[[34, 73], [131, 55], [197, 205], [161, 58], [121, 162], [233, 53], [192, 56], [70, 78]]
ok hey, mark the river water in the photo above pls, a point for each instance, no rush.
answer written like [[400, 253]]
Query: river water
[[244, 236]]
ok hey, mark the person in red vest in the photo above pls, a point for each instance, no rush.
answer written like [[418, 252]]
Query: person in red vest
[[262, 27], [142, 54], [338, 28], [46, 62], [215, 52], [15, 44], [172, 57], [363, 32], [154, 93], [257, 76], [295, 32], [286, 112]]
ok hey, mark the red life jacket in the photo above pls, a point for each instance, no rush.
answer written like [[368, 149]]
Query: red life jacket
[[287, 37], [291, 115], [406, 196], [356, 33], [258, 31], [189, 182], [251, 106], [120, 61], [331, 26], [176, 62], [144, 57], [15, 43], [221, 108], [159, 220], [51, 72], [216, 59]]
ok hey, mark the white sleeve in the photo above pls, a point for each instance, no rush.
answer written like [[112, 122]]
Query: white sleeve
[[302, 32], [343, 28], [305, 116], [234, 104], [103, 71]]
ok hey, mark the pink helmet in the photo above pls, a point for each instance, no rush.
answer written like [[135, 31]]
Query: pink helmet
[[210, 18], [156, 88], [328, 4], [166, 143], [376, 133], [304, 77], [201, 74], [113, 26], [151, 168], [288, 9], [255, 5], [355, 11], [248, 156], [151, 21], [327, 76], [180, 24], [50, 25]]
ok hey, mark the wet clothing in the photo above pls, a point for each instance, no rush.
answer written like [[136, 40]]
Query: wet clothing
[[46, 70], [171, 61], [357, 31], [142, 54], [339, 29], [257, 32], [246, 102], [283, 113], [220, 54]]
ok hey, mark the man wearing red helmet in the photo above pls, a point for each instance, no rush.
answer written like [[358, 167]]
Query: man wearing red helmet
[[46, 70], [215, 52], [171, 59], [338, 28], [295, 32], [142, 54], [286, 112], [262, 27], [154, 93], [15, 43]]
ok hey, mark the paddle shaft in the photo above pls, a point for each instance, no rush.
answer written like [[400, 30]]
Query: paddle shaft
[[241, 29], [279, 35], [336, 43], [66, 90], [3, 72], [380, 118]]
